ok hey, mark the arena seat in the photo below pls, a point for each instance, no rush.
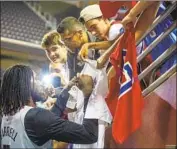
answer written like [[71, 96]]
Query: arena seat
[[17, 25]]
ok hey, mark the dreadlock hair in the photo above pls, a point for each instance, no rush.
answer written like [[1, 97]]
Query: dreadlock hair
[[70, 25], [16, 89]]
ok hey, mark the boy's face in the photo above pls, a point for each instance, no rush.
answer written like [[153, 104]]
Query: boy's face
[[97, 27], [57, 54], [74, 40]]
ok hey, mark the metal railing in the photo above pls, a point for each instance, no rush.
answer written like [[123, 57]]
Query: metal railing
[[158, 61], [163, 57], [160, 80], [37, 49], [22, 46], [159, 19], [156, 42]]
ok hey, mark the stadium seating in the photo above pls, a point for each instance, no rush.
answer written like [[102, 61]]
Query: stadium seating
[[19, 22]]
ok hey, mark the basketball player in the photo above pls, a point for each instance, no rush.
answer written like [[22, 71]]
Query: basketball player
[[24, 126]]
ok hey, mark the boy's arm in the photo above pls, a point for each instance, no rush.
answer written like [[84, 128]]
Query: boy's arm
[[103, 45], [99, 45], [101, 61], [136, 10], [142, 25]]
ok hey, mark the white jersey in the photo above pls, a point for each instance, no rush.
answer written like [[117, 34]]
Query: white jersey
[[76, 99], [115, 30], [96, 107], [13, 132]]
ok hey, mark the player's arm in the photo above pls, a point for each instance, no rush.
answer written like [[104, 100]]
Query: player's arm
[[42, 125], [103, 45], [60, 103], [62, 98]]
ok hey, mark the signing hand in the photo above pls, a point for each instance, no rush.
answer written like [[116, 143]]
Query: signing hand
[[50, 90], [49, 103], [73, 82]]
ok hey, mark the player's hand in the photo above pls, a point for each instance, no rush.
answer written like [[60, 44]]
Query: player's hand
[[39, 89], [73, 82], [83, 54], [49, 103], [50, 90]]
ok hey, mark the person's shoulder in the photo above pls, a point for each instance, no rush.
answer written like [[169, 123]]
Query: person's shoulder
[[39, 117], [34, 113], [115, 30]]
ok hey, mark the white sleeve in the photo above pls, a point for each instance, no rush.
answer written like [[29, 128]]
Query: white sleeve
[[115, 30]]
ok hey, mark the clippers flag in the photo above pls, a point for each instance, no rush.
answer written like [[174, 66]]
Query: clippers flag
[[127, 117]]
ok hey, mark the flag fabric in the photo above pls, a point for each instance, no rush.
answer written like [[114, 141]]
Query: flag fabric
[[110, 8], [127, 116], [114, 84]]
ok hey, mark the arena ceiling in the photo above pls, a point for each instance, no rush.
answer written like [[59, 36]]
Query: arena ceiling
[[64, 8]]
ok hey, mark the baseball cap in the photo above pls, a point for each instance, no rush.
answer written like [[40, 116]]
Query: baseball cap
[[90, 12]]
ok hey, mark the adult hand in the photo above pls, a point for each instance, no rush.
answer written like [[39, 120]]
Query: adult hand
[[73, 82], [50, 90], [83, 54], [128, 19], [49, 103], [40, 89]]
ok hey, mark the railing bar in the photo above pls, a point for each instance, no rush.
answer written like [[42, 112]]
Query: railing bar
[[158, 61], [20, 43], [160, 80], [156, 41], [159, 19]]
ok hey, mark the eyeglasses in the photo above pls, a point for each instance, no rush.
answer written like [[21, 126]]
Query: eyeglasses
[[69, 38]]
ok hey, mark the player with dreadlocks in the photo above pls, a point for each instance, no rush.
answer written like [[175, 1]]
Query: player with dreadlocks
[[25, 126], [15, 91]]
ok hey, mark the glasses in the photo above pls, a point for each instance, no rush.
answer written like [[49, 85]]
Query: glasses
[[69, 38]]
